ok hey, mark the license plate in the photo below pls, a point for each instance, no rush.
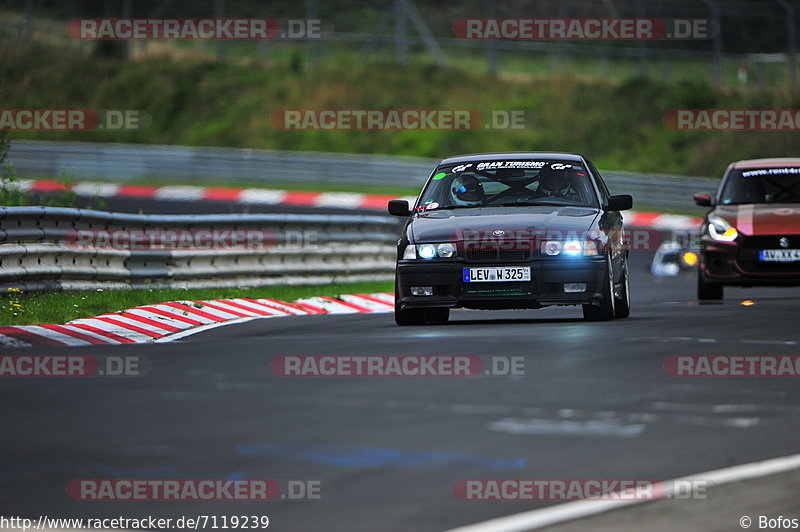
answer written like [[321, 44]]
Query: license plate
[[497, 274], [779, 255]]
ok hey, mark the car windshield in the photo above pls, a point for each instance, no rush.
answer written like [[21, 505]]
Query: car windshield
[[508, 183], [762, 185]]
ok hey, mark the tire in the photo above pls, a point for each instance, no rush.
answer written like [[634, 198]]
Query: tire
[[605, 310], [707, 291], [438, 315], [622, 304], [421, 316], [409, 316]]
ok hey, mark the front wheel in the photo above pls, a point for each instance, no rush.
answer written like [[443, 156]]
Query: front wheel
[[622, 296], [438, 315], [409, 316], [418, 316], [605, 311], [707, 291]]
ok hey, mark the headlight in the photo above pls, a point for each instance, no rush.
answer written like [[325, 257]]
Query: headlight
[[571, 248], [445, 250], [426, 251], [720, 229], [429, 251]]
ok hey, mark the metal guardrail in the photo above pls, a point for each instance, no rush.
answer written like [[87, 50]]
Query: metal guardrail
[[124, 162], [45, 248], [660, 191]]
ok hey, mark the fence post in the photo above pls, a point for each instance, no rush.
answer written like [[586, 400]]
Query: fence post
[[491, 48], [641, 44], [717, 62], [127, 12], [791, 43], [563, 49], [311, 44], [28, 20], [400, 32], [219, 12]]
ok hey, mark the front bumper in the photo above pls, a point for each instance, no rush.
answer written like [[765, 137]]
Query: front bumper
[[737, 263], [548, 276]]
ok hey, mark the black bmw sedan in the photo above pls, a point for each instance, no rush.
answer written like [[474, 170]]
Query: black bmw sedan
[[512, 231]]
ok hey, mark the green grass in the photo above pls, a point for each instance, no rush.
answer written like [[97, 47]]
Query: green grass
[[397, 190], [60, 307], [618, 122]]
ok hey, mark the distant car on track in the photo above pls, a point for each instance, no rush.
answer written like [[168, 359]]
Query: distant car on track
[[512, 231], [751, 235]]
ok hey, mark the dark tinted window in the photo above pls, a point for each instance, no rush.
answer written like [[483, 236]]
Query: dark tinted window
[[509, 183], [762, 185]]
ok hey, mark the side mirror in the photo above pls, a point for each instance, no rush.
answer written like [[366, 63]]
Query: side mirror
[[702, 199], [622, 202], [399, 207]]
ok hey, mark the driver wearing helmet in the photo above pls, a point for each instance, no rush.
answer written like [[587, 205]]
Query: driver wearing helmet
[[555, 184], [467, 190]]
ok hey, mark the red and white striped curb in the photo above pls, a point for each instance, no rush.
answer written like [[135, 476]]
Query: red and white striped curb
[[149, 323], [264, 196], [250, 196], [662, 221]]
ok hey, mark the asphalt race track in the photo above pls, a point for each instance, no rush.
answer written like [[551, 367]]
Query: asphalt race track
[[595, 402]]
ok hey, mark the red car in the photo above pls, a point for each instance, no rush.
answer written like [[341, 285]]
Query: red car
[[751, 236]]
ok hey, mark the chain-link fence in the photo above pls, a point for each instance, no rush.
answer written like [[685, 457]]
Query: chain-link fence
[[748, 43]]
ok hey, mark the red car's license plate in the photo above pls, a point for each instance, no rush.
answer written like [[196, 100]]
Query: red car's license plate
[[779, 255]]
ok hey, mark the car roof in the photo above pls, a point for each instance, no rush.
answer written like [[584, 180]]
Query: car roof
[[513, 156], [775, 161]]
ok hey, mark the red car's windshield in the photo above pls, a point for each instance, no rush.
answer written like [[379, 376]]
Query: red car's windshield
[[762, 185]]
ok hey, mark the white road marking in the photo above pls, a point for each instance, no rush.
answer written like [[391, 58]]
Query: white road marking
[[568, 427], [562, 513]]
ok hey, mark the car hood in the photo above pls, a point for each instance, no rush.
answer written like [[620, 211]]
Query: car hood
[[762, 219], [449, 225]]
